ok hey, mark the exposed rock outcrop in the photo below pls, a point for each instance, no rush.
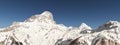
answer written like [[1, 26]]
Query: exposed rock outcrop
[[78, 42], [104, 41]]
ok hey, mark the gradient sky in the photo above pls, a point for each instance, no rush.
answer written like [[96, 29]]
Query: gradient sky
[[67, 12]]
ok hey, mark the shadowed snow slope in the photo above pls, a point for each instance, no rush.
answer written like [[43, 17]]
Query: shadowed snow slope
[[41, 29]]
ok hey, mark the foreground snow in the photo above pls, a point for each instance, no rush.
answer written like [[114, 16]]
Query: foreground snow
[[41, 29]]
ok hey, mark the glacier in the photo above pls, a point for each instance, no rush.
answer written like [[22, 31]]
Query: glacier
[[41, 29]]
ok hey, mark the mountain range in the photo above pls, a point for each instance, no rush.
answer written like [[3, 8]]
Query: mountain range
[[41, 29]]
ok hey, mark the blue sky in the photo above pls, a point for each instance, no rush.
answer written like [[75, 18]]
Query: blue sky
[[67, 12]]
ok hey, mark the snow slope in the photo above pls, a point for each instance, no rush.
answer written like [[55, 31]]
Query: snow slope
[[41, 29]]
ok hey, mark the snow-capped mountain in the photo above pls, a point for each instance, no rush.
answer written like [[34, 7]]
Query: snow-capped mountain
[[41, 29]]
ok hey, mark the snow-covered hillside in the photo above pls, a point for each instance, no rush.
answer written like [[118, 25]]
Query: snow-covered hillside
[[41, 29]]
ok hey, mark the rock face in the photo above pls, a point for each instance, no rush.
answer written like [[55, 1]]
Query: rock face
[[77, 42], [11, 41], [103, 41], [41, 29]]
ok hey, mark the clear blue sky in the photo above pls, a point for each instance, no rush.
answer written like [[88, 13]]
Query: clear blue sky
[[68, 12]]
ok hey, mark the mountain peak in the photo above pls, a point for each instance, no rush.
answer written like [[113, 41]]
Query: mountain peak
[[109, 25], [45, 17], [112, 22], [47, 13], [42, 30], [84, 26]]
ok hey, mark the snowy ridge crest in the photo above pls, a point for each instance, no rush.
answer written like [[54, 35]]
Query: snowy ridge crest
[[41, 29]]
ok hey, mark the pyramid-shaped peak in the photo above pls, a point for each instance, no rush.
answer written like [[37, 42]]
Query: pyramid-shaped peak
[[84, 26]]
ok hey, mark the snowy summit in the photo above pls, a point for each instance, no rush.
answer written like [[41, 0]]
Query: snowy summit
[[41, 29]]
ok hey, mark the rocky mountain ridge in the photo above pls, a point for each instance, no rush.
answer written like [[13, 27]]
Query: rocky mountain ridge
[[41, 29]]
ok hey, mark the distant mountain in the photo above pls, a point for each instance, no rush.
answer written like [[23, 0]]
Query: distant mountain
[[41, 29]]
